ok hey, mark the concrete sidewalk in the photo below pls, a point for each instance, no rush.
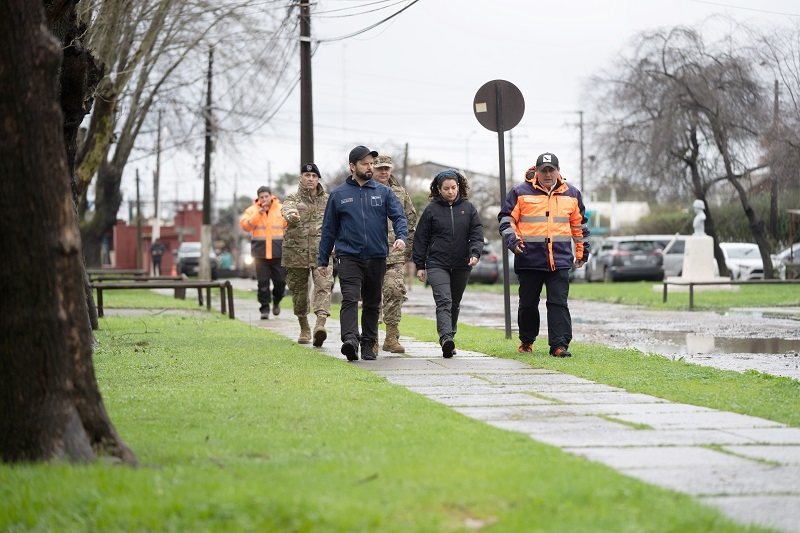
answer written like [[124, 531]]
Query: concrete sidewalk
[[748, 467]]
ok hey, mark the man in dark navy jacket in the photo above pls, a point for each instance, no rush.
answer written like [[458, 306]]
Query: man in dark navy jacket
[[356, 224]]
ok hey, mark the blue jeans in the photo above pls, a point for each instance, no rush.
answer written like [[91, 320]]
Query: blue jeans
[[559, 322], [448, 286]]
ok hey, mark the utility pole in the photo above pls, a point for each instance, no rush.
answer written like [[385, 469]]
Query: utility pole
[[581, 128], [405, 166], [156, 233], [205, 230], [139, 261], [306, 106]]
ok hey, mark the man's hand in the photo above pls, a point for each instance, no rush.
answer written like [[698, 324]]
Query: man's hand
[[399, 244], [323, 271], [518, 248], [421, 275], [294, 216], [473, 261], [578, 264]]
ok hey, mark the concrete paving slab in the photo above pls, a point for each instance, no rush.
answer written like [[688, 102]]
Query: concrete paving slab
[[551, 389], [613, 396], [699, 420], [487, 389], [556, 414], [479, 400], [778, 512], [756, 479], [491, 364], [435, 380], [535, 379], [661, 457], [626, 436], [615, 409], [786, 455], [769, 435], [539, 428]]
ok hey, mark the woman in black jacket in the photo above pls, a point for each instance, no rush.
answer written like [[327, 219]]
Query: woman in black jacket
[[447, 245]]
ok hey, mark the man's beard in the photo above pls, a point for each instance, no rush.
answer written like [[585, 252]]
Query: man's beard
[[366, 176]]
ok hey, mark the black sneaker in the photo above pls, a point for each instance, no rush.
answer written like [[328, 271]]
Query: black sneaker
[[276, 309], [369, 353], [350, 350], [447, 348], [560, 351], [264, 316]]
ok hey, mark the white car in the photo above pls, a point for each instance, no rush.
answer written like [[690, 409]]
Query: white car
[[744, 261], [789, 258]]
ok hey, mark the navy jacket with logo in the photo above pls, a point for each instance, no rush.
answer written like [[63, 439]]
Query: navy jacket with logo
[[356, 223]]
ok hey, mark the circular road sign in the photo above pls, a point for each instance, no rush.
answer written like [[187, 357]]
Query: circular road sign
[[498, 105]]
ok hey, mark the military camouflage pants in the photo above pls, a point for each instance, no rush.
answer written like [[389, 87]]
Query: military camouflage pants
[[394, 294], [297, 280]]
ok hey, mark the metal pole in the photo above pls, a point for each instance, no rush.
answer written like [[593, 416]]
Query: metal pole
[[306, 105], [581, 127], [205, 229], [502, 160]]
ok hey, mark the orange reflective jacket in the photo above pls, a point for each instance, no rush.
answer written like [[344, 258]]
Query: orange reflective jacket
[[548, 222], [266, 230]]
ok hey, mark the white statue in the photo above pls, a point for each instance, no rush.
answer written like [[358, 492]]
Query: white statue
[[699, 222]]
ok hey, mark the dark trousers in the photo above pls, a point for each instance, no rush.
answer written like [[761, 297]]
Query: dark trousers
[[559, 322], [270, 270], [157, 266], [448, 286], [361, 278]]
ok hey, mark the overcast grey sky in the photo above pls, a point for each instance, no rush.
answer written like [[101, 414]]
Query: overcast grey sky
[[413, 79]]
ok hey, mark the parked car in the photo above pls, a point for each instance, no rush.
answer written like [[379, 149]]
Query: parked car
[[626, 258], [789, 257], [187, 259], [743, 260], [673, 254], [489, 268], [246, 266]]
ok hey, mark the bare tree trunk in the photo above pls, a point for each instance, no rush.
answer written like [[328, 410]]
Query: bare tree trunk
[[50, 405]]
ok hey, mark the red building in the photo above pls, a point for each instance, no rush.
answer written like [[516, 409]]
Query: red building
[[187, 224]]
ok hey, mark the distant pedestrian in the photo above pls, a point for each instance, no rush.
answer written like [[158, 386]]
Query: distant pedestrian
[[263, 220], [541, 220], [394, 285], [447, 244], [356, 224], [157, 250], [303, 211]]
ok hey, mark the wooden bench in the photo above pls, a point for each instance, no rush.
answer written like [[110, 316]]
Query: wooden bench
[[117, 271], [692, 285], [225, 291]]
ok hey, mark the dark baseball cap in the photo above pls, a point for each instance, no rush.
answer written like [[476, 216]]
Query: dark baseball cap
[[546, 160], [310, 167], [360, 152]]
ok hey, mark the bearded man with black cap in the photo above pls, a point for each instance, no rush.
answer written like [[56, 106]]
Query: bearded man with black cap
[[356, 224], [303, 211], [541, 220]]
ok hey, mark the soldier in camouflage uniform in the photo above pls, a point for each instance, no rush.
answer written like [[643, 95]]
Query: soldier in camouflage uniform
[[394, 285], [303, 212]]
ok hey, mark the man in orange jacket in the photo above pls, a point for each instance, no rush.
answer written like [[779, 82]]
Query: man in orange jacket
[[263, 220]]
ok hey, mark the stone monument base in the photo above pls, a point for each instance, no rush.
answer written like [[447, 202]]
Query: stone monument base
[[698, 266]]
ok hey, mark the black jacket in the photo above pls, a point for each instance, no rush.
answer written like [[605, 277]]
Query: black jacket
[[447, 236]]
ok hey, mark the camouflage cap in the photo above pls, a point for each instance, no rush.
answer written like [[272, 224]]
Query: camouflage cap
[[383, 160]]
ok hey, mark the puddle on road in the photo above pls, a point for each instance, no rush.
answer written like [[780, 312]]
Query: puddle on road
[[673, 342]]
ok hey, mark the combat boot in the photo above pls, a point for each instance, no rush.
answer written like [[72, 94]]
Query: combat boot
[[305, 331], [392, 341], [319, 331]]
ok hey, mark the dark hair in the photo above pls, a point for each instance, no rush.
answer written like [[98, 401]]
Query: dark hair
[[463, 186], [264, 188]]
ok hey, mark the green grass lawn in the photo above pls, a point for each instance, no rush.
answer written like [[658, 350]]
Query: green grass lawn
[[239, 429], [642, 293]]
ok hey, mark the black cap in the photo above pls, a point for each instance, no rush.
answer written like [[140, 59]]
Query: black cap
[[310, 167], [546, 160], [360, 152]]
